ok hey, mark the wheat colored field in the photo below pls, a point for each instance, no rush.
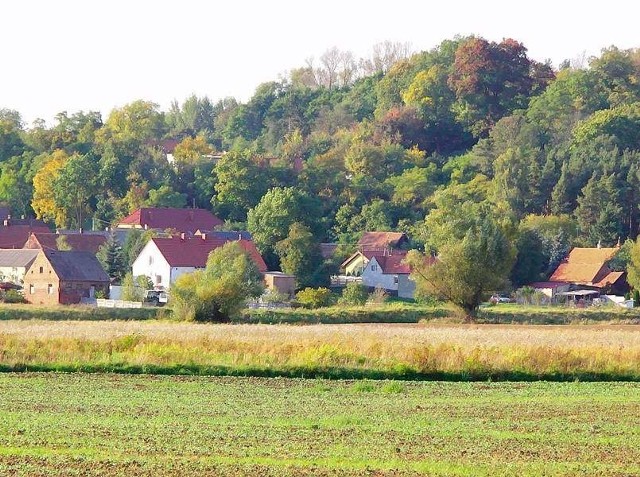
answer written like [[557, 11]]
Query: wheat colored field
[[419, 351]]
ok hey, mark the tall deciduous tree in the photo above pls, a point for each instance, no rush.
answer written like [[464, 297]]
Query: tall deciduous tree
[[218, 292], [466, 270], [300, 255]]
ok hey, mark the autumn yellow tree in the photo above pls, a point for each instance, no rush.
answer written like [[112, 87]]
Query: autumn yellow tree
[[44, 203]]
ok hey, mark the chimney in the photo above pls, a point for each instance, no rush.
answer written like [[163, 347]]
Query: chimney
[[22, 216], [9, 216], [146, 226], [599, 244], [81, 230], [182, 236], [6, 222], [204, 236], [239, 236]]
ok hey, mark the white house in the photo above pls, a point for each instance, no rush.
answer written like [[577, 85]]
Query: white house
[[164, 259], [14, 264], [391, 273]]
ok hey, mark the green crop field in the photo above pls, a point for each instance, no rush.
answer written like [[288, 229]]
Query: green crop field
[[105, 424]]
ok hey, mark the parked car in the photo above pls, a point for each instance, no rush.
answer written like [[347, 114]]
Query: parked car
[[500, 298], [156, 297]]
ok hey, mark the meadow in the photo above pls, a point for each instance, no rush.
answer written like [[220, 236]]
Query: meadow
[[107, 425], [416, 351]]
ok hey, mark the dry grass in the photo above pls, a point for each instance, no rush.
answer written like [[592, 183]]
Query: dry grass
[[419, 350]]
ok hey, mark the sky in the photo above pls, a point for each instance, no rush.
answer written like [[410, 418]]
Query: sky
[[96, 55]]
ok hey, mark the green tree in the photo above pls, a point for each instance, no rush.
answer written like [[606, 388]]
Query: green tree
[[633, 267], [466, 270], [112, 259], [300, 255], [354, 294], [134, 288], [74, 189], [599, 213], [218, 292], [270, 220], [240, 186], [165, 196]]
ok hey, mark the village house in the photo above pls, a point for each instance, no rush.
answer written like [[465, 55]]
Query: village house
[[15, 232], [390, 273], [80, 241], [370, 244], [14, 264], [167, 218], [64, 277], [585, 268], [164, 259]]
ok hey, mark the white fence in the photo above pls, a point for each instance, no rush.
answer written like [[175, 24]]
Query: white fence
[[118, 303]]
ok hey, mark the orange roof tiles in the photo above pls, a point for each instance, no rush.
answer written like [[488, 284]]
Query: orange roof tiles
[[162, 218], [381, 240], [584, 265]]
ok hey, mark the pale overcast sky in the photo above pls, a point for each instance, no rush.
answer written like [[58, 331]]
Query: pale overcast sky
[[100, 54]]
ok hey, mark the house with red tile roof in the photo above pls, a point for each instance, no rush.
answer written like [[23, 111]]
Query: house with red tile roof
[[588, 267], [390, 272], [83, 242], [14, 233], [162, 218], [164, 259]]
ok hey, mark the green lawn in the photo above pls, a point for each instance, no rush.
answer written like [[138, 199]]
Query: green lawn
[[76, 424]]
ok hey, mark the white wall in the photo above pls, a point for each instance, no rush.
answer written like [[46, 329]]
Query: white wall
[[372, 276], [177, 271], [152, 263], [13, 274]]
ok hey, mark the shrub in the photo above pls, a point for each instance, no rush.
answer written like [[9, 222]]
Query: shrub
[[13, 296], [354, 294], [314, 297], [378, 297]]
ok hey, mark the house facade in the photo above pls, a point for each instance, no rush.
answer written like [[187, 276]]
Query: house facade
[[164, 259], [390, 273], [64, 277], [14, 264]]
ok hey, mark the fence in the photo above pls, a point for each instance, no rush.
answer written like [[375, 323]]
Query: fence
[[117, 303]]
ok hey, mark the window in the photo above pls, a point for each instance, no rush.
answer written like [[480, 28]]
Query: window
[[374, 267], [395, 279], [50, 289], [158, 279], [41, 269], [150, 259], [32, 289]]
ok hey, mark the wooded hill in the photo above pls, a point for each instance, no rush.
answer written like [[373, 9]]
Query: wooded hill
[[423, 143]]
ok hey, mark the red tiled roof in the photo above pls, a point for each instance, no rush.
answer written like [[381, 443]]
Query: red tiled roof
[[609, 279], [584, 265], [380, 240], [193, 252], [78, 242], [182, 220], [393, 264], [328, 249], [15, 236]]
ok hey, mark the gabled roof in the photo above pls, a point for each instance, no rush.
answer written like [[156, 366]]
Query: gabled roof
[[76, 266], [609, 279], [78, 242], [194, 251], [15, 236], [162, 218], [368, 254], [381, 240], [392, 265], [17, 257], [584, 265]]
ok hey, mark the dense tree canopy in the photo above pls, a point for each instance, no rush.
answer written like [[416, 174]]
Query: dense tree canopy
[[421, 142]]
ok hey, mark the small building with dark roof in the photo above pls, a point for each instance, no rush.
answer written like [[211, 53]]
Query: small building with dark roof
[[14, 234], [64, 277]]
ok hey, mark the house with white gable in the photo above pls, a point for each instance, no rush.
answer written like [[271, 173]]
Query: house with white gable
[[388, 271], [164, 259]]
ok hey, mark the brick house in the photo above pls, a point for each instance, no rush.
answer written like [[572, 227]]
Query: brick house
[[64, 277]]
